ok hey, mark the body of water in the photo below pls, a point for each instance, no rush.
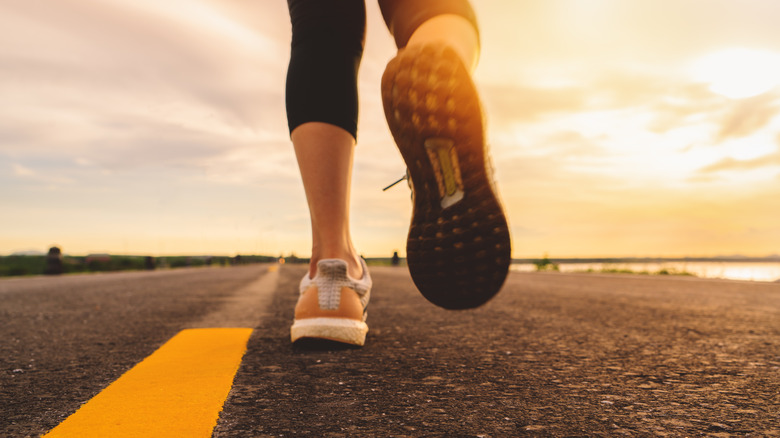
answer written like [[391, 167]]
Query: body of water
[[755, 271]]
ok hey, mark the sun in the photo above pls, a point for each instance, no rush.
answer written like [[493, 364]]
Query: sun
[[738, 73]]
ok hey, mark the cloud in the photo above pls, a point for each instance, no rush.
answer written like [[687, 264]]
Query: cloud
[[616, 32], [527, 103], [572, 146], [123, 85], [42, 176], [693, 104], [249, 164], [678, 101], [732, 164], [163, 113], [20, 170], [671, 99], [745, 117], [683, 104]]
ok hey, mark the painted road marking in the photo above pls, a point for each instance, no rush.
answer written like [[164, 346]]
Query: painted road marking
[[177, 391]]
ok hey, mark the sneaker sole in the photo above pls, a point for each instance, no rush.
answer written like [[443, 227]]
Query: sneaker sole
[[458, 248], [348, 331]]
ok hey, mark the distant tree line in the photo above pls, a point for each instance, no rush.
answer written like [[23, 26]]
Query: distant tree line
[[55, 263]]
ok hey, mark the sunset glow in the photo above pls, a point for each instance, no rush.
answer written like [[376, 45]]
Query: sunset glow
[[617, 128], [739, 73]]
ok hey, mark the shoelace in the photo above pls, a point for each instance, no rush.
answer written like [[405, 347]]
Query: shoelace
[[490, 169], [393, 184], [405, 177]]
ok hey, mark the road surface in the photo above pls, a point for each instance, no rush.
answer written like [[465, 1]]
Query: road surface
[[552, 355]]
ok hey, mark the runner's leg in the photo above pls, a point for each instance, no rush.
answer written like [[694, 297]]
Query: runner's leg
[[322, 111]]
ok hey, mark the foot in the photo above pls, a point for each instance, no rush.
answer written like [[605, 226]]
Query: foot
[[332, 305], [458, 248]]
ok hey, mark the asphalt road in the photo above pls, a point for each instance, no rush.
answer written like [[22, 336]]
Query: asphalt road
[[551, 355]]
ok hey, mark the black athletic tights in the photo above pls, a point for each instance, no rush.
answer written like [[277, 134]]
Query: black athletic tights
[[327, 45]]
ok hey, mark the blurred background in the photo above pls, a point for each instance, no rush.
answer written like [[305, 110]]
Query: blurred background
[[648, 128]]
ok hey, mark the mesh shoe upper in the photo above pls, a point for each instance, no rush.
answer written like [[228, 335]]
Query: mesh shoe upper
[[331, 277]]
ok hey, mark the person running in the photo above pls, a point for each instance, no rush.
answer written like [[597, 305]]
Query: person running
[[458, 248]]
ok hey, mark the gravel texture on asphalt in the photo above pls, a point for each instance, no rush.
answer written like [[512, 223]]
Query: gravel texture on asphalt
[[552, 355], [66, 338]]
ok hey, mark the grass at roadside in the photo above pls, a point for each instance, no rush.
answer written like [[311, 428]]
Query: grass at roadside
[[662, 271], [25, 265]]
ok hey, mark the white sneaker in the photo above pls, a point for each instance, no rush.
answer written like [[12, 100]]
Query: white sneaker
[[459, 248], [332, 305]]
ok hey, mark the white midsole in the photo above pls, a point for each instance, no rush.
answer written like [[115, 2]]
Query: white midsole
[[331, 322], [338, 329]]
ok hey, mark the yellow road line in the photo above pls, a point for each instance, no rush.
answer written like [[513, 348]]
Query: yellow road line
[[177, 391]]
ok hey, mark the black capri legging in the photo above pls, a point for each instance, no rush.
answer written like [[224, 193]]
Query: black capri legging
[[327, 46]]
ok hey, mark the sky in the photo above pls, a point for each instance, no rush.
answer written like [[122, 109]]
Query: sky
[[641, 128]]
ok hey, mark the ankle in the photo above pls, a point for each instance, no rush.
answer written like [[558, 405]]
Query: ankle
[[354, 266]]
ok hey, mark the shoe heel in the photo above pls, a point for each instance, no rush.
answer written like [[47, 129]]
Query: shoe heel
[[348, 331]]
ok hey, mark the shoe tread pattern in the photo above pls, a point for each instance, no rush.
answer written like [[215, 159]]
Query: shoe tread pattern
[[458, 256]]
